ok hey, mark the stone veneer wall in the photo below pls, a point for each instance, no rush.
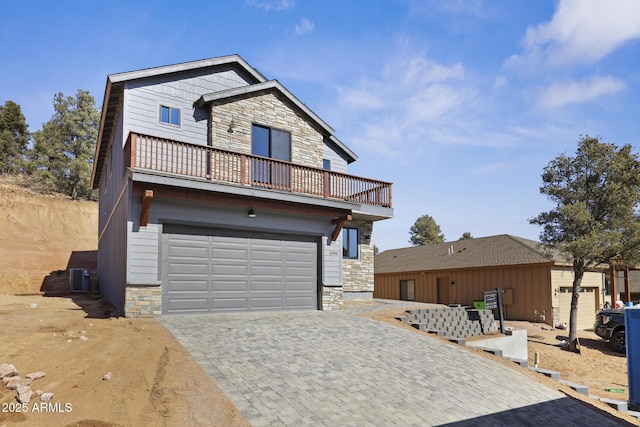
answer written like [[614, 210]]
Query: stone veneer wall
[[331, 298], [357, 274], [143, 301], [264, 109]]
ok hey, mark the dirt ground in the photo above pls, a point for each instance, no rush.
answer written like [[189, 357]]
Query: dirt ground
[[73, 339]]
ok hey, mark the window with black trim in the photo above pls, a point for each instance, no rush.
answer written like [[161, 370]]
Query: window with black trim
[[350, 243], [170, 115], [407, 290], [274, 144]]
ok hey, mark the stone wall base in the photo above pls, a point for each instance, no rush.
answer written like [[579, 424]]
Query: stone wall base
[[143, 301], [332, 298]]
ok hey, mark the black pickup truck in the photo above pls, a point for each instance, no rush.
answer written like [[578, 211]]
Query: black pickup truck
[[610, 327]]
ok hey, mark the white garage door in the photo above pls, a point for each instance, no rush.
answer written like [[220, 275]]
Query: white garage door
[[209, 272], [586, 306]]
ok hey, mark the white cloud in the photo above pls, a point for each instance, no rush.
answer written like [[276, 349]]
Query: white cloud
[[583, 31], [360, 99], [305, 26], [561, 94], [268, 5]]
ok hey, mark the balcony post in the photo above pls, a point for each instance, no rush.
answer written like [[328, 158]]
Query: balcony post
[[325, 177], [133, 141], [243, 169]]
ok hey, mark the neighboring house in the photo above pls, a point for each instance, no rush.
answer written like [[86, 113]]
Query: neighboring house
[[537, 284], [634, 286], [221, 191]]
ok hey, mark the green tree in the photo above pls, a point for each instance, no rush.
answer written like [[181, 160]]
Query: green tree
[[466, 235], [425, 231], [63, 150], [14, 138], [594, 221]]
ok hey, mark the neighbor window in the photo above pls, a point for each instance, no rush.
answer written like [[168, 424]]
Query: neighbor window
[[326, 164], [350, 243], [169, 115], [407, 290]]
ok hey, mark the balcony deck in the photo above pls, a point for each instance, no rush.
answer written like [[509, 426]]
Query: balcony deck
[[209, 163]]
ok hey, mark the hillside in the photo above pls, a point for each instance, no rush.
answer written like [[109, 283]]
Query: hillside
[[72, 338], [40, 235]]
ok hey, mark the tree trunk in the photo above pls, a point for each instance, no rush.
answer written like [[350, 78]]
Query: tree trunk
[[578, 272]]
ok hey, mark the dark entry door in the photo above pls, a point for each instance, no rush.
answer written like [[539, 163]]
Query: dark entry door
[[444, 291]]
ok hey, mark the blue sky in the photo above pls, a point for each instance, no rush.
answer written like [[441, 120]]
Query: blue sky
[[460, 103]]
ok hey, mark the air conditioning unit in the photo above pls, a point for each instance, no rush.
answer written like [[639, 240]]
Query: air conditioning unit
[[79, 280]]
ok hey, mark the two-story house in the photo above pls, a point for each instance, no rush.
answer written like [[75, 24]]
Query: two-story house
[[221, 191]]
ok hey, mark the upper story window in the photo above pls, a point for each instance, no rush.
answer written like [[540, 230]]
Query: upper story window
[[169, 115], [350, 243], [270, 142], [274, 144], [326, 164]]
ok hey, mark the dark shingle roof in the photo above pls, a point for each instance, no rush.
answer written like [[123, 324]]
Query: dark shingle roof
[[490, 251]]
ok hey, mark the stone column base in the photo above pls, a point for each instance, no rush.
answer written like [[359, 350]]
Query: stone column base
[[331, 298], [143, 300]]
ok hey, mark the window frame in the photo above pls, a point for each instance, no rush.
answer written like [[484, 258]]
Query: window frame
[[270, 131], [406, 292], [172, 112], [346, 242]]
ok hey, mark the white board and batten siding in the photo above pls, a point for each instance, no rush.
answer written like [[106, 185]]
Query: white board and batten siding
[[143, 99]]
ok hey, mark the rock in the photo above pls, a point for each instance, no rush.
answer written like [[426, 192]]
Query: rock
[[24, 394], [32, 305], [12, 383], [36, 375], [38, 393], [83, 338], [107, 376], [7, 370], [45, 397]]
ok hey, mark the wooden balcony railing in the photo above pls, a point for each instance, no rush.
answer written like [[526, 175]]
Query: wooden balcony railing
[[193, 160]]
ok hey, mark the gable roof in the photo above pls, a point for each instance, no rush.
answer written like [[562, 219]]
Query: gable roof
[[492, 251]]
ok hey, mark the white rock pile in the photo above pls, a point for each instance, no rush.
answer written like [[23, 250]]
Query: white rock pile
[[12, 380]]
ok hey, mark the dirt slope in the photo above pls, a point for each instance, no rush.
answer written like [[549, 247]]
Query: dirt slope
[[75, 343], [39, 235]]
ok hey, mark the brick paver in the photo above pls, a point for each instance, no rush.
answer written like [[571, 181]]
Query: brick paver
[[339, 369]]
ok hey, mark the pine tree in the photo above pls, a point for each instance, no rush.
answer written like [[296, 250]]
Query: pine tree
[[14, 138]]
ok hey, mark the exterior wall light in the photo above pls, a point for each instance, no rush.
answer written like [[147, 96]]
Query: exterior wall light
[[252, 213]]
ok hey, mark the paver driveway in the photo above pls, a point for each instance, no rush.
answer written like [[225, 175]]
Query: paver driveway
[[339, 369]]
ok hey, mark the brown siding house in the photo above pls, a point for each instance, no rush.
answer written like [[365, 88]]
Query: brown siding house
[[536, 283]]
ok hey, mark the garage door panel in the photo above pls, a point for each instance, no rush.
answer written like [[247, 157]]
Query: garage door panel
[[298, 302], [228, 303], [239, 270], [192, 305], [182, 286], [230, 285], [188, 269], [238, 273], [189, 252], [230, 253]]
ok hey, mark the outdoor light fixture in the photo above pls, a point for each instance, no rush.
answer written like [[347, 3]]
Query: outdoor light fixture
[[252, 213]]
